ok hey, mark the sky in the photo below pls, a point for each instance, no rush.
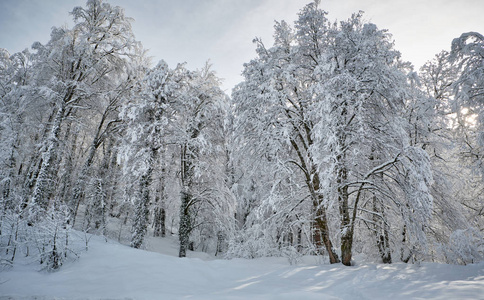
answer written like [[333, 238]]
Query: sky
[[194, 31]]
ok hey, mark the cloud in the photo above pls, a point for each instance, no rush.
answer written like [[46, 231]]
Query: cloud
[[222, 30]]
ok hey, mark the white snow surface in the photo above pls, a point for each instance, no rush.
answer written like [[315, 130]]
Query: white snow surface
[[109, 270]]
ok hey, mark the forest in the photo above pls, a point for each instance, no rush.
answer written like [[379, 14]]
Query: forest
[[331, 146]]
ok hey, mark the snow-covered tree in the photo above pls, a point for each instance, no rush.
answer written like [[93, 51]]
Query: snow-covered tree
[[452, 79], [274, 117], [146, 131], [329, 101], [198, 131], [178, 113], [78, 67], [61, 105], [363, 136]]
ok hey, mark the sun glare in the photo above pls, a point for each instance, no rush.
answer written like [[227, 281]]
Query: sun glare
[[468, 117]]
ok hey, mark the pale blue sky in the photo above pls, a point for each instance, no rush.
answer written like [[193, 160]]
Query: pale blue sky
[[222, 30]]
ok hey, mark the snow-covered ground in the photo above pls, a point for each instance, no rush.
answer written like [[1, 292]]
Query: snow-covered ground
[[109, 270]]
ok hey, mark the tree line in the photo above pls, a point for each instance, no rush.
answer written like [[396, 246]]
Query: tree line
[[332, 145]]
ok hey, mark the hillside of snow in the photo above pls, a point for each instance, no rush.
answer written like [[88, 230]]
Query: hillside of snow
[[109, 270]]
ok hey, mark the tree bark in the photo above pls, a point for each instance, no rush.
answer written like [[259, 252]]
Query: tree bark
[[381, 232], [185, 223], [141, 217], [320, 223], [347, 224], [346, 228], [187, 156], [321, 234], [159, 222], [78, 192], [40, 197], [160, 213]]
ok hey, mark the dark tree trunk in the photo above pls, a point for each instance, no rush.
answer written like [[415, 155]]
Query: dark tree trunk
[[405, 255], [185, 224], [41, 194], [35, 162], [159, 222], [381, 232], [347, 224], [346, 228], [220, 243], [321, 233], [66, 180], [160, 213], [188, 157], [141, 217], [113, 182], [321, 229], [78, 191]]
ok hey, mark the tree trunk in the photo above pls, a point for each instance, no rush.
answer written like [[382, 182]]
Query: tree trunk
[[66, 184], [405, 255], [381, 232], [185, 223], [347, 224], [40, 198], [188, 156], [321, 232], [113, 181], [159, 222], [220, 243], [78, 191], [321, 229], [160, 213], [320, 223], [141, 217], [35, 163], [346, 228], [8, 184]]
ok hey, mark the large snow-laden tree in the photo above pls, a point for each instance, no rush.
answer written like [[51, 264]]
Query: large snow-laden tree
[[103, 123], [23, 109], [26, 115], [467, 56], [75, 67], [453, 80], [274, 111], [198, 129], [60, 102], [14, 80], [146, 132], [363, 142], [329, 100], [178, 113]]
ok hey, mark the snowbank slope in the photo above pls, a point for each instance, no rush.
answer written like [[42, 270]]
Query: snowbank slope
[[113, 271]]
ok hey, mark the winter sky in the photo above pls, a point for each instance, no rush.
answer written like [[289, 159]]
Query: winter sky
[[194, 31]]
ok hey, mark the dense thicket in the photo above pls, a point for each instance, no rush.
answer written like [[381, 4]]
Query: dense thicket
[[332, 146]]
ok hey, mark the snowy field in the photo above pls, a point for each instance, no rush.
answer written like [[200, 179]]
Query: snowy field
[[109, 270]]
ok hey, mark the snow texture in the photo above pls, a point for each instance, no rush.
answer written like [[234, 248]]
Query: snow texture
[[109, 270]]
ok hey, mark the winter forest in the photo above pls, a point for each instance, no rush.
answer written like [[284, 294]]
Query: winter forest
[[331, 146]]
